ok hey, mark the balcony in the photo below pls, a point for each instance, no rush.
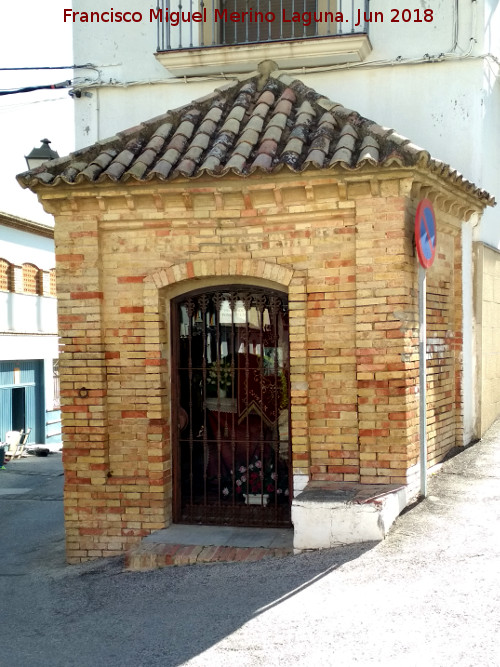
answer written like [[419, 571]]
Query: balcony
[[233, 36]]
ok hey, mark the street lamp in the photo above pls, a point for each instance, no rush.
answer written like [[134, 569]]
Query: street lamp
[[40, 155]]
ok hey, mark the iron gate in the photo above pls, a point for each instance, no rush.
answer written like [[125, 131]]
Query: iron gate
[[231, 406]]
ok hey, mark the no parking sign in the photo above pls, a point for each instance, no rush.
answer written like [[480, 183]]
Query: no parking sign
[[425, 233], [425, 238]]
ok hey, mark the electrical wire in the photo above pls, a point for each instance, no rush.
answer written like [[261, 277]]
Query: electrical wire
[[373, 64], [31, 69], [29, 89]]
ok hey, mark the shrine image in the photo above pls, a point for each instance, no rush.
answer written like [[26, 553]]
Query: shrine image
[[237, 289]]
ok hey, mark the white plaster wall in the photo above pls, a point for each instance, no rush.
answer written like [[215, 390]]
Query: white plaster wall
[[19, 347], [491, 17], [27, 313], [124, 57], [488, 139], [19, 247], [451, 108], [488, 317], [28, 322], [469, 348]]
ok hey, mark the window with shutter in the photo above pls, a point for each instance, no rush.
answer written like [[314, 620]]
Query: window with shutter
[[261, 30]]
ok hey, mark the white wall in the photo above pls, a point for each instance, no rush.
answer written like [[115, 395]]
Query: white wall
[[33, 35], [488, 327], [28, 322], [17, 348], [19, 247], [451, 108], [469, 389], [491, 17], [27, 313], [124, 58]]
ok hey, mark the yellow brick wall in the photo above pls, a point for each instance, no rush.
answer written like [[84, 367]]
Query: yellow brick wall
[[488, 328], [343, 251]]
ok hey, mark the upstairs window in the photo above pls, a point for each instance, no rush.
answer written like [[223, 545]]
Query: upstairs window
[[261, 30], [52, 283], [6, 277], [202, 37], [31, 279], [208, 23]]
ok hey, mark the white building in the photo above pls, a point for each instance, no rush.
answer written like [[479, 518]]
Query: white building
[[29, 392]]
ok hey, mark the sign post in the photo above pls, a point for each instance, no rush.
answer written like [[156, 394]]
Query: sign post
[[425, 237]]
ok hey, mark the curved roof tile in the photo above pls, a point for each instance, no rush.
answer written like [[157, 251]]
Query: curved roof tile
[[241, 129]]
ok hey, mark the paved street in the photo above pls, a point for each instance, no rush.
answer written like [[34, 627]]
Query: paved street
[[428, 595]]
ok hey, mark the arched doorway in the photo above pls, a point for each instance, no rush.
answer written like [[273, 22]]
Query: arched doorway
[[230, 388]]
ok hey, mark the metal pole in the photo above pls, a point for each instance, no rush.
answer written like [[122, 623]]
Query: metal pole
[[422, 352]]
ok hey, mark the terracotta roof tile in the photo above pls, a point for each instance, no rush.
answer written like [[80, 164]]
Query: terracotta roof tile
[[269, 147], [243, 148], [72, 171], [236, 163], [267, 97], [186, 167], [316, 157], [369, 151], [294, 145], [279, 120], [274, 133], [240, 128], [283, 107], [250, 135], [162, 168], [261, 111], [263, 161]]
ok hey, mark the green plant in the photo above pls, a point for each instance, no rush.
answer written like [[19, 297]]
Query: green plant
[[219, 374]]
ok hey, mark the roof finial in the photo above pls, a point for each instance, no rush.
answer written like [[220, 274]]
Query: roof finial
[[265, 67]]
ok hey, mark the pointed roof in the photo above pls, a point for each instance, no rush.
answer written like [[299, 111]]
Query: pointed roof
[[264, 123]]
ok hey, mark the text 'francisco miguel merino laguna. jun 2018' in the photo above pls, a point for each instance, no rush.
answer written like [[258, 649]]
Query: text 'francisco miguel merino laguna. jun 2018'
[[176, 18]]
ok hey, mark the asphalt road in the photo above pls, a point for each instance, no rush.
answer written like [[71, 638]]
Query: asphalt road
[[428, 595]]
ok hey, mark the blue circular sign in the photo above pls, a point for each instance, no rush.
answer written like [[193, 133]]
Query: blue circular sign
[[425, 233]]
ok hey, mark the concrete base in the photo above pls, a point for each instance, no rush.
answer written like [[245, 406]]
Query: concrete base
[[326, 514]]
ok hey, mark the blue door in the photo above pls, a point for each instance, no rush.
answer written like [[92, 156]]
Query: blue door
[[22, 405], [5, 412]]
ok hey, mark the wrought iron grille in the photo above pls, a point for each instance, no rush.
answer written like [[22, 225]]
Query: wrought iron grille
[[179, 25], [232, 407]]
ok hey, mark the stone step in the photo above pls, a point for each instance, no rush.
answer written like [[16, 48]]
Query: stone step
[[150, 556], [192, 544]]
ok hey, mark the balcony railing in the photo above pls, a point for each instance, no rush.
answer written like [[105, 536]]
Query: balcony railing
[[214, 23]]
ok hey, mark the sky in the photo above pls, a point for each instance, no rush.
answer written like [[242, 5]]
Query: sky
[[33, 34]]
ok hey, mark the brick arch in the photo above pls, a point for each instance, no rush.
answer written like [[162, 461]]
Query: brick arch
[[210, 268], [158, 289]]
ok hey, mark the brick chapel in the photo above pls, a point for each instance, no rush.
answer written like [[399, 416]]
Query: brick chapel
[[237, 286]]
